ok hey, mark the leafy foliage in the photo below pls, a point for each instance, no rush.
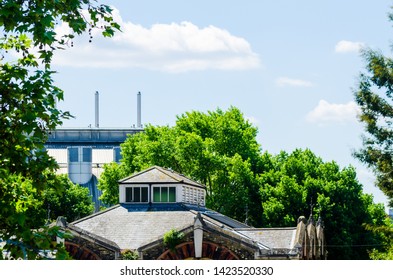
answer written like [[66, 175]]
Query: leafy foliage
[[296, 180], [28, 110], [72, 202], [172, 238], [218, 149], [129, 255], [374, 97], [20, 220], [375, 100], [108, 183], [385, 252]]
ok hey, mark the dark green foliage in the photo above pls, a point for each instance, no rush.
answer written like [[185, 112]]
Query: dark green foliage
[[374, 97], [173, 238], [108, 183], [296, 180], [28, 111], [72, 202], [129, 255], [22, 223], [385, 251], [218, 149]]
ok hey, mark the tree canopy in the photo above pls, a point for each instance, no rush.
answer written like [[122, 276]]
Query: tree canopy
[[28, 110], [300, 183], [72, 202], [220, 150], [374, 97]]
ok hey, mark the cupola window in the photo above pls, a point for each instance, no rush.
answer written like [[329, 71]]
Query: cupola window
[[164, 194], [137, 194]]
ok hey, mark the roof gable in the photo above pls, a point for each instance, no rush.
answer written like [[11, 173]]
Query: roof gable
[[159, 175]]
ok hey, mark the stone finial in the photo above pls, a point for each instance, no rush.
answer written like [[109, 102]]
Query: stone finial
[[320, 222], [301, 219], [61, 222], [311, 220]]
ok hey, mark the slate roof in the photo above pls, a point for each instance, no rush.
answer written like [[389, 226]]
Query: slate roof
[[134, 226], [158, 175], [277, 238], [132, 229]]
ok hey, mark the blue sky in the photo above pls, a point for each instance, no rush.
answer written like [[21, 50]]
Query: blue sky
[[289, 66]]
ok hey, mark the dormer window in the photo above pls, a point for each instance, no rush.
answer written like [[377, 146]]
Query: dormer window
[[137, 194], [164, 194], [159, 185]]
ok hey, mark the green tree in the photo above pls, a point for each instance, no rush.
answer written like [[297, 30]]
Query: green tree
[[296, 180], [218, 149], [129, 255], [172, 238], [374, 96], [72, 202], [28, 110], [385, 252], [108, 183]]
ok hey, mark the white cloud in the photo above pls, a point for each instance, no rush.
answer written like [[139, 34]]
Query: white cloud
[[348, 46], [284, 81], [326, 112], [175, 47]]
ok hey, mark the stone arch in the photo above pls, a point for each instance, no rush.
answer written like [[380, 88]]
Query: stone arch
[[78, 252], [210, 251]]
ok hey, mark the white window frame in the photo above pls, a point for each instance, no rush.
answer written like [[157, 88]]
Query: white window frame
[[133, 194], [161, 187]]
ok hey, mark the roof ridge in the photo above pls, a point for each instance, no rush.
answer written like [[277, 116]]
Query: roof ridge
[[137, 173], [181, 175], [168, 171]]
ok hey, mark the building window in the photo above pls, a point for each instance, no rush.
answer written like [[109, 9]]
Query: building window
[[87, 154], [164, 194], [116, 154], [137, 194], [73, 154]]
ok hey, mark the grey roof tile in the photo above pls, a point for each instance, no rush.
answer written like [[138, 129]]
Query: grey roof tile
[[132, 229], [278, 238]]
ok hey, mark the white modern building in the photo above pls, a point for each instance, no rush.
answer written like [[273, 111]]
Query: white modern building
[[82, 152]]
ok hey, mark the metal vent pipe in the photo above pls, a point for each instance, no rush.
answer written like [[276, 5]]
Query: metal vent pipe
[[139, 110], [97, 113]]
